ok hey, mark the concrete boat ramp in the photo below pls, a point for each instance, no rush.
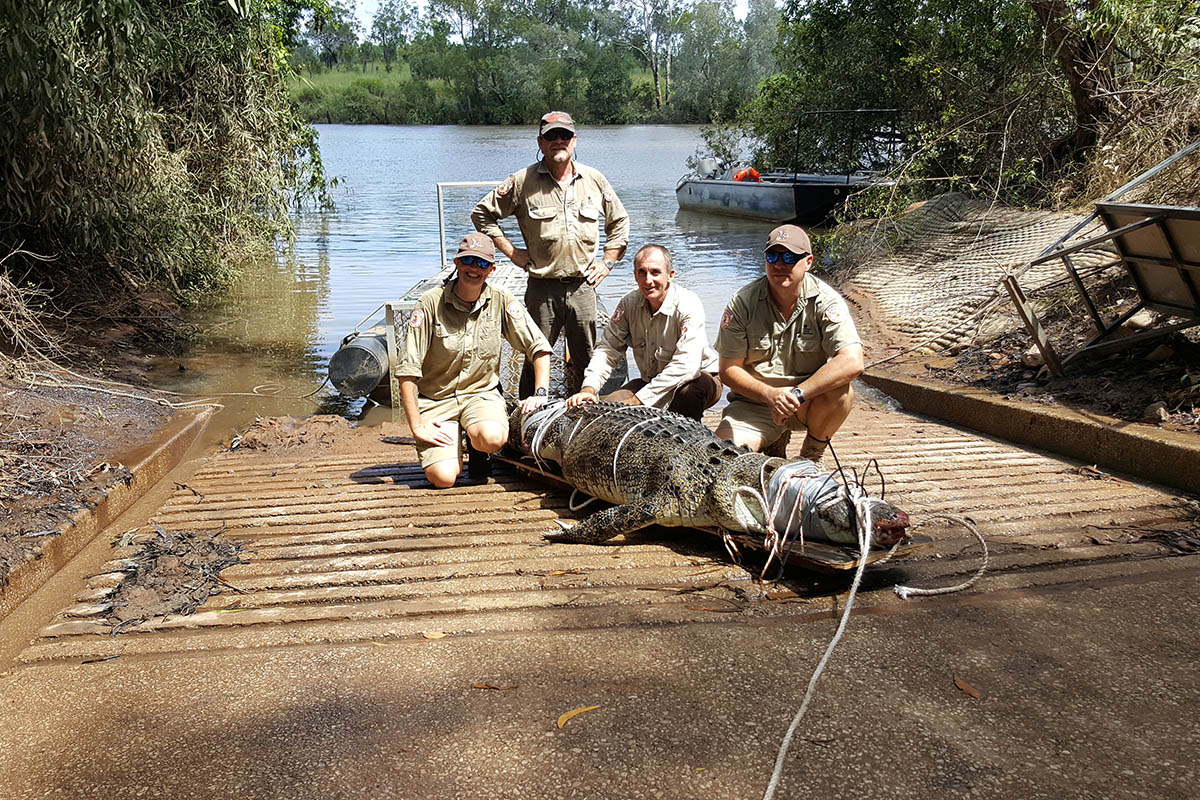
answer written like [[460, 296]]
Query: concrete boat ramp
[[386, 639]]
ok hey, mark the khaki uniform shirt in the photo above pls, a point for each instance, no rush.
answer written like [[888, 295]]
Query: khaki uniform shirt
[[670, 345], [454, 348], [561, 228], [783, 352]]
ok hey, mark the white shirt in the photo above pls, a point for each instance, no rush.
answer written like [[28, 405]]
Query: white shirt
[[670, 346]]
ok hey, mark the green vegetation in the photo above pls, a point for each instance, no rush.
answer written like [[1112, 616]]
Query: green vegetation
[[146, 143], [486, 61], [1035, 102]]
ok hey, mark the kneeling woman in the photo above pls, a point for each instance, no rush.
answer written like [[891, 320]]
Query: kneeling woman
[[450, 371]]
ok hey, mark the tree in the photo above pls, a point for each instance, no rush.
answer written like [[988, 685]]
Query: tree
[[331, 35], [394, 21]]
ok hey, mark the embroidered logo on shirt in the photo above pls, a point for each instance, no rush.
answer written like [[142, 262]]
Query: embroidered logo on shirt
[[513, 308], [417, 318], [835, 313], [505, 187], [620, 312], [609, 195], [727, 318]]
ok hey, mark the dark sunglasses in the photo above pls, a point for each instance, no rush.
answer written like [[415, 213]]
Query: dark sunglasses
[[788, 256], [558, 135], [475, 261]]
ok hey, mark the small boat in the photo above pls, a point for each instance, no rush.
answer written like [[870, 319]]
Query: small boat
[[775, 196]]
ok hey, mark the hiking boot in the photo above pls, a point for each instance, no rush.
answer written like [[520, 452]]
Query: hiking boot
[[778, 448], [479, 464]]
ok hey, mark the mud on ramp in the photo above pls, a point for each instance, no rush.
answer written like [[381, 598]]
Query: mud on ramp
[[346, 542]]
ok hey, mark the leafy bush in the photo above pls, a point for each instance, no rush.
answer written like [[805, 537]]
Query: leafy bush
[[148, 140]]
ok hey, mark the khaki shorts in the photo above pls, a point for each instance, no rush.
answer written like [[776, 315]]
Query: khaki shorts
[[462, 411], [743, 415]]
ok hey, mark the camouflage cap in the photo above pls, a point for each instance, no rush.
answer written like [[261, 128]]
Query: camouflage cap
[[789, 237], [477, 244], [556, 119]]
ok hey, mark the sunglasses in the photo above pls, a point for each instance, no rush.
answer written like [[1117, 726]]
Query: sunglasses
[[558, 135], [788, 256], [475, 261]]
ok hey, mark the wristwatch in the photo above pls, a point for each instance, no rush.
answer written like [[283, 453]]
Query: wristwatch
[[609, 263], [798, 393], [540, 392]]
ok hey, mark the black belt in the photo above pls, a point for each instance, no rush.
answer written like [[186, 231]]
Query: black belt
[[575, 280]]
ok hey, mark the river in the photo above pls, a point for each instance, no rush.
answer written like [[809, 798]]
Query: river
[[277, 329]]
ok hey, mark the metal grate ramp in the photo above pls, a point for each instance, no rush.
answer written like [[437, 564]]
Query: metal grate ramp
[[352, 545]]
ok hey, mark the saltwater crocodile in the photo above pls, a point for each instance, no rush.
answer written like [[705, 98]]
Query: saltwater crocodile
[[667, 469]]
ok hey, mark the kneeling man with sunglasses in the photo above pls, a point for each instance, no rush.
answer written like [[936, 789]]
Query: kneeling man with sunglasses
[[449, 371], [788, 351]]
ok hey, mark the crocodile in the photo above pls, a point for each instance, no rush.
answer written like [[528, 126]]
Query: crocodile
[[660, 468]]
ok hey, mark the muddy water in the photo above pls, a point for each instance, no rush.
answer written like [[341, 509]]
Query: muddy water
[[277, 330]]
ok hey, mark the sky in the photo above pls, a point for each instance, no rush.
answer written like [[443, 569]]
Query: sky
[[365, 10]]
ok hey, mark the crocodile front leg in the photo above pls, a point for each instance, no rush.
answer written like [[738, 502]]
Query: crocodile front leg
[[604, 525]]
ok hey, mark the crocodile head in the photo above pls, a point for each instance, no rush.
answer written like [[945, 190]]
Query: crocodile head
[[888, 523]]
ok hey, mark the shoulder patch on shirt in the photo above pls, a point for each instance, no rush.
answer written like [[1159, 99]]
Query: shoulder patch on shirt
[[835, 313], [727, 318], [506, 187], [514, 308], [609, 194], [417, 318], [620, 312]]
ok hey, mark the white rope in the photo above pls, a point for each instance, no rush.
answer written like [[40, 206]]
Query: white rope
[[863, 509], [905, 592], [571, 501], [620, 444]]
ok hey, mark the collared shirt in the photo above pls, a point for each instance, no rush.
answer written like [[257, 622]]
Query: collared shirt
[[670, 345], [561, 228], [783, 352], [453, 347]]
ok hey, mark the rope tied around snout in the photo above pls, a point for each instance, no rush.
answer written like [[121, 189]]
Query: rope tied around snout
[[791, 501]]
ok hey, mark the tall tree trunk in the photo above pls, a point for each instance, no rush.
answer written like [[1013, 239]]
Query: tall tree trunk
[[1086, 63], [667, 80]]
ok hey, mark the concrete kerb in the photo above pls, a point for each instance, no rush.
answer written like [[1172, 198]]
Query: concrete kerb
[[1166, 457], [149, 465]]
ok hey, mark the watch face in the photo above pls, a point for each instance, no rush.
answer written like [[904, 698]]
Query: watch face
[[539, 392]]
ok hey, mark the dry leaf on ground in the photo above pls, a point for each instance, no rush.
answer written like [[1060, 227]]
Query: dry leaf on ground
[[434, 634], [967, 688], [574, 712]]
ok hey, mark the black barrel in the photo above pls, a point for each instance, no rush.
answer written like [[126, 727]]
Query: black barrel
[[360, 364]]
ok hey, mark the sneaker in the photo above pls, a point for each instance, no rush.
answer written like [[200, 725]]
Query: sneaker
[[479, 464]]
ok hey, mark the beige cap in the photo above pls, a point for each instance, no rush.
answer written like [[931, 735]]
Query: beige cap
[[790, 237], [477, 244], [556, 119]]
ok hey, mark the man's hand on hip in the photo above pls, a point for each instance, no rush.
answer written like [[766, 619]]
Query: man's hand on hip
[[520, 257], [596, 272]]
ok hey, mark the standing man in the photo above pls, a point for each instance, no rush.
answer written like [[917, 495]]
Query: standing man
[[558, 204], [664, 323], [450, 370], [788, 350]]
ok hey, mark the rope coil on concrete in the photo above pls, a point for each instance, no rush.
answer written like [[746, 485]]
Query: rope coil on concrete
[[905, 592]]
